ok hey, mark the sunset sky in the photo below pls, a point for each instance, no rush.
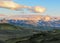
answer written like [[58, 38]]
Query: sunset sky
[[52, 7]]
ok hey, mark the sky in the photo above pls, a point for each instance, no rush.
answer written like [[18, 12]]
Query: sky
[[52, 7]]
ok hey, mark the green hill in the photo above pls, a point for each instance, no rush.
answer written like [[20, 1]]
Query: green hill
[[16, 34], [6, 26]]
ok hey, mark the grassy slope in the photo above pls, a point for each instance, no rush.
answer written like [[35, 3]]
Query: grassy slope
[[16, 34], [6, 26]]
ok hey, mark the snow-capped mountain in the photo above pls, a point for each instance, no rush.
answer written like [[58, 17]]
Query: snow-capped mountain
[[35, 21], [49, 23]]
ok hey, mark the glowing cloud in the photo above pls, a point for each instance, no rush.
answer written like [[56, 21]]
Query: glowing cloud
[[9, 4], [5, 0], [47, 18], [39, 9]]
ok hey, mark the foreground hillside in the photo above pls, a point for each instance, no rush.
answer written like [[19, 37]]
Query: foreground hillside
[[16, 34], [40, 37]]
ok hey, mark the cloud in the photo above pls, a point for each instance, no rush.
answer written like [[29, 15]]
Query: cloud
[[37, 9], [9, 4], [5, 0], [2, 16]]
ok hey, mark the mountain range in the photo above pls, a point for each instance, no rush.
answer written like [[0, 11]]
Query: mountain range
[[35, 21], [41, 24]]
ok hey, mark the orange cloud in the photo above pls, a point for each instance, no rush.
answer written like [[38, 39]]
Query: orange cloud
[[47, 18], [39, 9], [5, 0], [9, 4], [14, 6], [2, 16]]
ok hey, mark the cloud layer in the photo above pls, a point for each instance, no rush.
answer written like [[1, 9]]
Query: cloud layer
[[9, 4], [5, 0]]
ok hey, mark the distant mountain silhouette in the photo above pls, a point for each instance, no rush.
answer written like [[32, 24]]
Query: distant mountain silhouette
[[41, 24]]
